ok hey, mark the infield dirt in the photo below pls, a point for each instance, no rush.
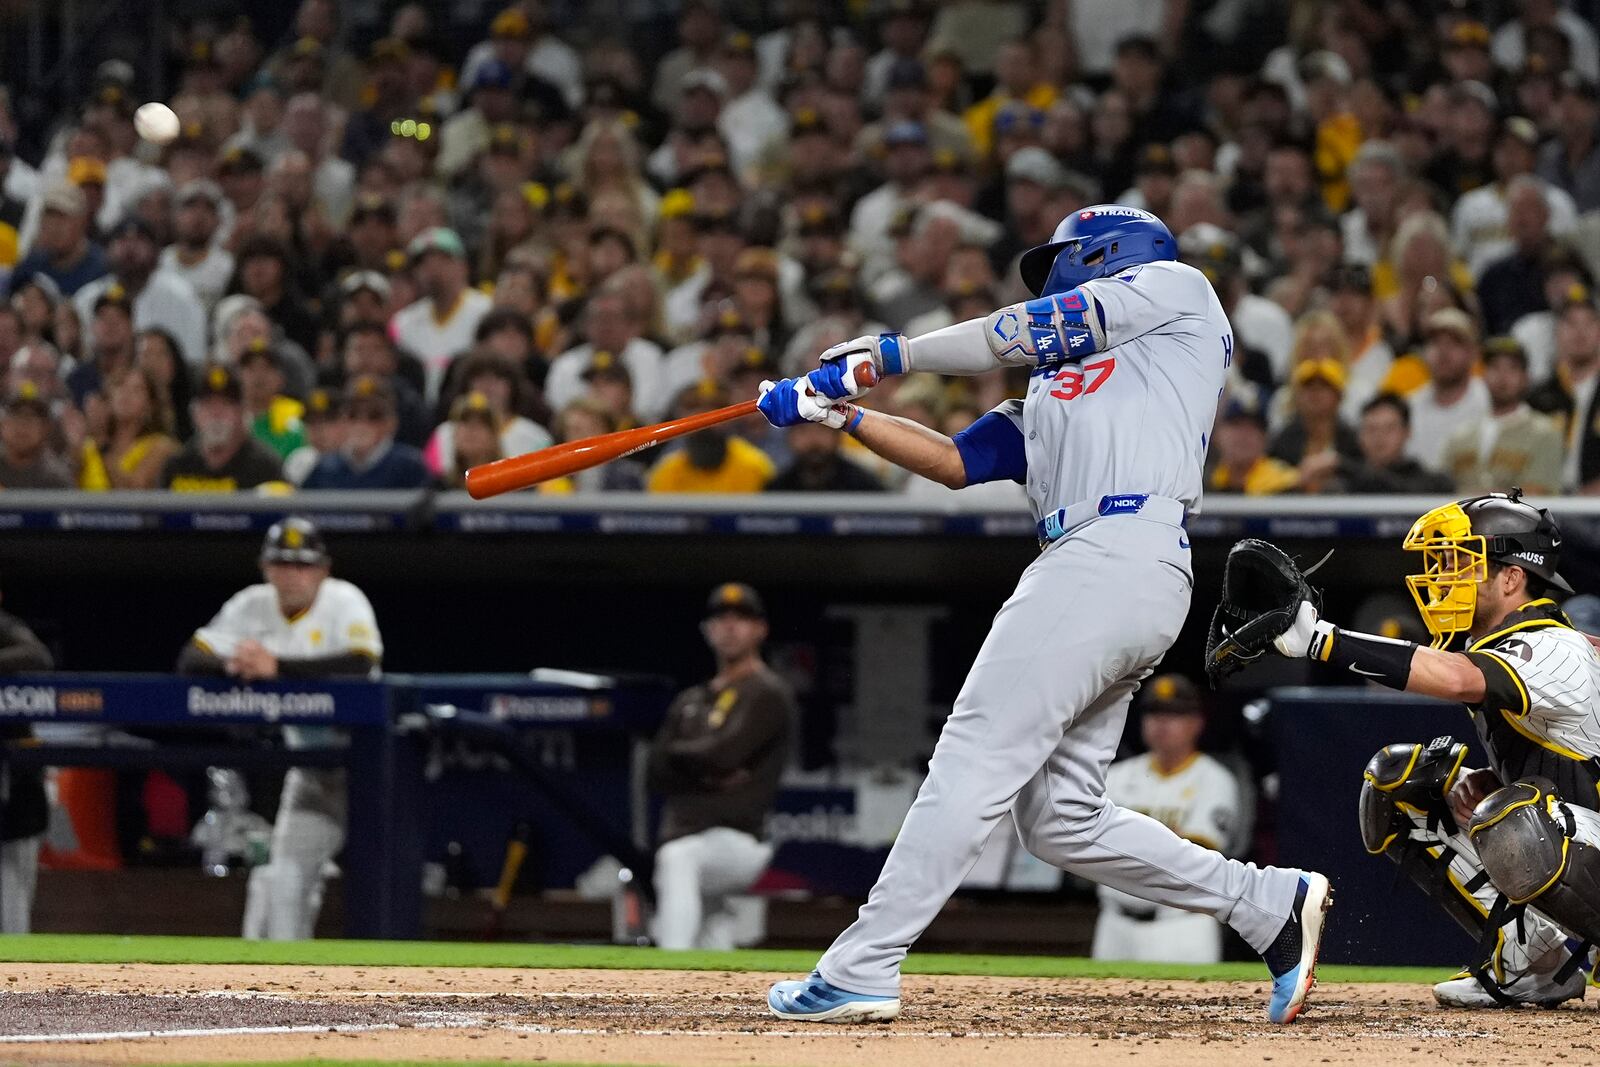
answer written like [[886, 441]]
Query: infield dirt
[[89, 1013]]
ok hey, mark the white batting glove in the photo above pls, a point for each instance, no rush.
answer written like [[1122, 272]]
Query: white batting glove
[[792, 401], [839, 376], [1295, 642]]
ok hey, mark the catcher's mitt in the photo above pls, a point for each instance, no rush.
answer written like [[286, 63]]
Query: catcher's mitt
[[1262, 588]]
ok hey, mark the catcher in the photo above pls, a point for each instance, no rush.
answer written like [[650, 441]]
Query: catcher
[[1511, 851]]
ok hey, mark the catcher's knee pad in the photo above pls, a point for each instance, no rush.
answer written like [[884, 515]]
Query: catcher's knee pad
[[1404, 781], [1523, 838]]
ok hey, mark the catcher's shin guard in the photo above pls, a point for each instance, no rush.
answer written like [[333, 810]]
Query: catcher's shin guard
[[1402, 784], [1524, 839]]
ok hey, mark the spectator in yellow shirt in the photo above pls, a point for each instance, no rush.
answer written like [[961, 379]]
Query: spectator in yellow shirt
[[714, 460], [1016, 71], [1242, 464]]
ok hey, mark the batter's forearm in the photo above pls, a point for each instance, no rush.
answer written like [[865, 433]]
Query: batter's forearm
[[959, 349], [911, 446]]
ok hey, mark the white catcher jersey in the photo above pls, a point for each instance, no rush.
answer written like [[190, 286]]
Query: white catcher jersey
[[339, 621], [1135, 417], [1540, 714]]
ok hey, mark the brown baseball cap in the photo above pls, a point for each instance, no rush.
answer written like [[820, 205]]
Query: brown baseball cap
[[1172, 694], [737, 598]]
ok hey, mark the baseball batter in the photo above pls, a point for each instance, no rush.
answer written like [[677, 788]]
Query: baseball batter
[[1128, 350], [1511, 851], [298, 623], [1191, 793]]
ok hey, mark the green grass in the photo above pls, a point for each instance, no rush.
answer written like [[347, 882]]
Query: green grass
[[85, 948]]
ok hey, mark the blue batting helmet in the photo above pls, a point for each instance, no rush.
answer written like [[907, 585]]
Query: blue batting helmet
[[1093, 243]]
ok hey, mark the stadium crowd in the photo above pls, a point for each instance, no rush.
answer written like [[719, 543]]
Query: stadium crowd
[[377, 255]]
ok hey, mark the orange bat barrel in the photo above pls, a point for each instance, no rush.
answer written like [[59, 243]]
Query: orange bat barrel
[[557, 461]]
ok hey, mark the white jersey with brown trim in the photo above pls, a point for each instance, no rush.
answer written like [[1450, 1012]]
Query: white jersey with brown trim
[[1541, 708]]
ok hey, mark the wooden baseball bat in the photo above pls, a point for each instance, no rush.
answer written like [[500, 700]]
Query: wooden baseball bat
[[558, 461]]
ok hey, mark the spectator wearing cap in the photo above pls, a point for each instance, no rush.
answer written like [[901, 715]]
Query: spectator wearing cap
[[161, 298], [62, 250], [1198, 798], [26, 460], [261, 119], [1479, 223], [195, 254], [243, 177], [274, 417], [1467, 160], [1376, 175], [475, 438], [388, 97], [714, 460], [1017, 82], [716, 763], [333, 180], [1571, 160], [503, 387], [725, 338], [1315, 439], [366, 351], [1370, 362], [905, 163], [902, 32], [1565, 278], [369, 457], [316, 35], [1515, 445], [546, 56], [264, 271], [1513, 285], [676, 257], [223, 456], [361, 297], [1454, 396], [442, 324], [324, 431], [750, 119], [1510, 44], [1568, 394], [468, 133], [909, 98], [1263, 333], [371, 236], [11, 212], [111, 346], [608, 386], [700, 32], [818, 466], [611, 324], [139, 430], [694, 134], [1240, 462]]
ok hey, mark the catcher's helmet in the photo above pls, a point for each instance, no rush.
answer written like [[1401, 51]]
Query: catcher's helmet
[[294, 540], [1093, 243], [1458, 540]]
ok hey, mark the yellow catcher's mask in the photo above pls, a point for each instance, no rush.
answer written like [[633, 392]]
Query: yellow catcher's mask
[[1454, 561]]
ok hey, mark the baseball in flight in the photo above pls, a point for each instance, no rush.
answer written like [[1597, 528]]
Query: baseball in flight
[[156, 123]]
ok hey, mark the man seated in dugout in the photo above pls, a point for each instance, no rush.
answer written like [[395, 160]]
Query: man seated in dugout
[[1512, 850]]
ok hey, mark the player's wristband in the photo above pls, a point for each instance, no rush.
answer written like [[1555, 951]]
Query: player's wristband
[[1381, 659], [853, 419]]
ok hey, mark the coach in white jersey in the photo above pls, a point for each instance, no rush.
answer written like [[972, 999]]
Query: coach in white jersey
[[1194, 796], [1128, 351], [299, 623], [1512, 850]]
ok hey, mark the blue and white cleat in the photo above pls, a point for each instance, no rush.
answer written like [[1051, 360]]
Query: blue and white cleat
[[814, 1000], [1292, 957]]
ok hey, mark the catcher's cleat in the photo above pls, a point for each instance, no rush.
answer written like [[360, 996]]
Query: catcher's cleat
[[1525, 990], [1292, 956]]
